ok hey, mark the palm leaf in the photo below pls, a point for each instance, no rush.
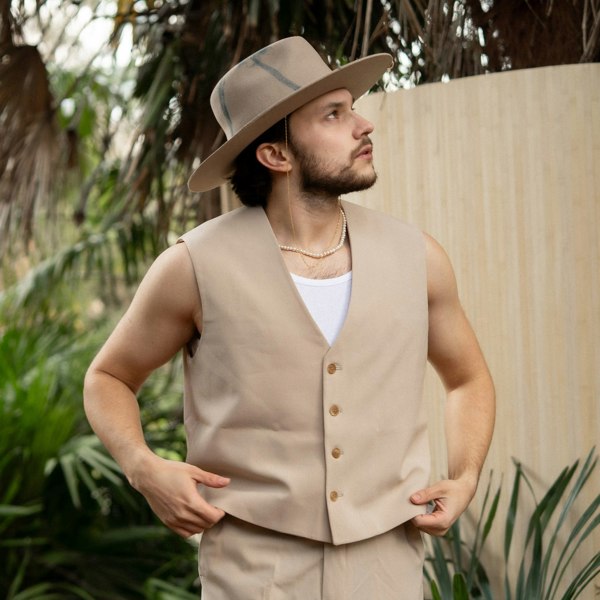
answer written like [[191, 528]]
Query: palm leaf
[[483, 528], [545, 508], [158, 589], [435, 592], [50, 591], [483, 582], [19, 575], [129, 535], [586, 471], [455, 538], [511, 518], [565, 560], [583, 578], [7, 510], [75, 458], [441, 568], [459, 587]]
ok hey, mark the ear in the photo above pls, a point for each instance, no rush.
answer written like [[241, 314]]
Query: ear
[[274, 157]]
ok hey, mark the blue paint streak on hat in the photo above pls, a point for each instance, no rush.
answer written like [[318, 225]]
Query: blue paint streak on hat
[[224, 107], [277, 74]]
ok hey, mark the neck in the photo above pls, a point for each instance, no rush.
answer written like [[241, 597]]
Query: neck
[[314, 218]]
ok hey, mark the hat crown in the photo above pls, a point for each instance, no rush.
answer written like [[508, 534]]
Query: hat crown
[[263, 80], [269, 85]]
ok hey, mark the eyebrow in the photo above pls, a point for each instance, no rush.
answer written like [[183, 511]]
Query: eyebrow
[[331, 105]]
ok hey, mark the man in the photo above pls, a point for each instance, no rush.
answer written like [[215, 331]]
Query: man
[[305, 323]]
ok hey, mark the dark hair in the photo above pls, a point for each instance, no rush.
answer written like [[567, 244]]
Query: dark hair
[[251, 180]]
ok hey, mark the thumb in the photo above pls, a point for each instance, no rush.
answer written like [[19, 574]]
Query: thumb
[[209, 479], [424, 496]]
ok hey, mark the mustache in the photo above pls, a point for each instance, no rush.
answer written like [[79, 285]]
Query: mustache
[[365, 142]]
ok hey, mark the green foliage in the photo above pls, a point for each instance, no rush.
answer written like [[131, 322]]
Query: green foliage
[[454, 565], [541, 578], [105, 264], [70, 526], [455, 571]]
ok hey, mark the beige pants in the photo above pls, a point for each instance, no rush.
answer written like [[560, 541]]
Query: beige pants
[[240, 561]]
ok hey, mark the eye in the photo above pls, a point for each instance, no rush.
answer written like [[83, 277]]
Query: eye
[[334, 114]]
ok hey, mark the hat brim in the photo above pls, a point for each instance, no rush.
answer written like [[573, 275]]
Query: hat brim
[[357, 77]]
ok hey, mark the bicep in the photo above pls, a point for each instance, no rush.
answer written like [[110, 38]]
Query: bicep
[[162, 317], [453, 348]]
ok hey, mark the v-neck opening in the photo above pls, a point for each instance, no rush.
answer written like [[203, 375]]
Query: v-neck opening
[[295, 291]]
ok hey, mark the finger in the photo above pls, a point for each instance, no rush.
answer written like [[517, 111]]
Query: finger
[[433, 531], [207, 514], [188, 523], [186, 532], [201, 509], [209, 479], [190, 529], [189, 507], [184, 528]]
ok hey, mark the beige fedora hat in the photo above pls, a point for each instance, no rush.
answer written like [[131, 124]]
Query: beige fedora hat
[[267, 86]]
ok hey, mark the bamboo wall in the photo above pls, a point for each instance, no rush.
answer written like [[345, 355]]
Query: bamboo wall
[[504, 171]]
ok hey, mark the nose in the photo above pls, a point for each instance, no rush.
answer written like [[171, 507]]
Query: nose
[[363, 126]]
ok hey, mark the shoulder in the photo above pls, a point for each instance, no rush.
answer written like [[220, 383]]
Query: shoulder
[[170, 284], [223, 225], [172, 267], [163, 315], [226, 240], [441, 281], [435, 251], [380, 221]]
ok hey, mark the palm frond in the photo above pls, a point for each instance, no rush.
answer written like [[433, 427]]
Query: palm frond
[[30, 145]]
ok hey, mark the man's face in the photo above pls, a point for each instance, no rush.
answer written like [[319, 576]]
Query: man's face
[[330, 143]]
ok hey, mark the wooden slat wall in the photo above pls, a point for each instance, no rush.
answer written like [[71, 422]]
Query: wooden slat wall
[[504, 171]]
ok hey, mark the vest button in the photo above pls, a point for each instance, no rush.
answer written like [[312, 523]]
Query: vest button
[[331, 368], [333, 496], [336, 453], [334, 410]]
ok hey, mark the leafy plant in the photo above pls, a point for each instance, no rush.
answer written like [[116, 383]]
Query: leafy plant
[[70, 527], [454, 569]]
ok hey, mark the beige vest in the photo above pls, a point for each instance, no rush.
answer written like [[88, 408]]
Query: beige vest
[[323, 442]]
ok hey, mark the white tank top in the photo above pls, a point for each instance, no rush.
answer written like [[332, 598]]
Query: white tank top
[[327, 300]]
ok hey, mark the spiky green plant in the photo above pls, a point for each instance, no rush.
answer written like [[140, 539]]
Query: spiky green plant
[[544, 561], [454, 568]]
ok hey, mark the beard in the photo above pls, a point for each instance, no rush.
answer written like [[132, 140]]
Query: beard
[[318, 177]]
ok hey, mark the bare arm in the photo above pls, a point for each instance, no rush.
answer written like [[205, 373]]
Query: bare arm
[[470, 406], [163, 316]]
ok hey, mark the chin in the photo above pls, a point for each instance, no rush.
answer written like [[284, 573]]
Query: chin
[[365, 183]]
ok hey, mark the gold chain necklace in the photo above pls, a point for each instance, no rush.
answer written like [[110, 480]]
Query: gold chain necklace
[[303, 252], [324, 253]]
